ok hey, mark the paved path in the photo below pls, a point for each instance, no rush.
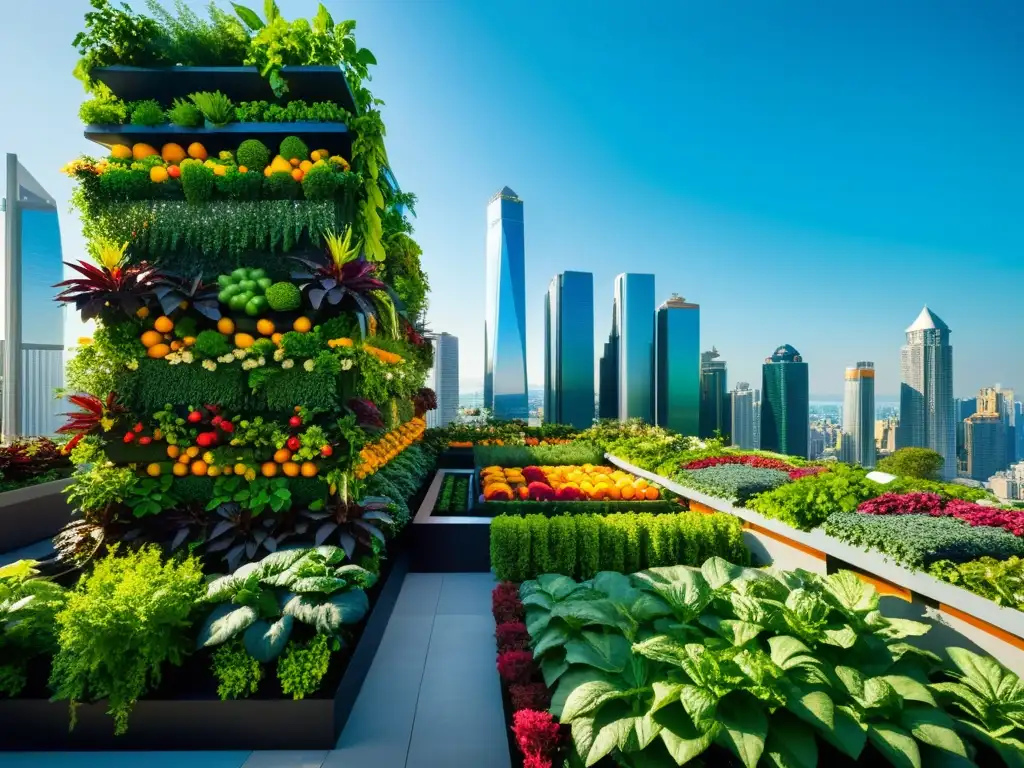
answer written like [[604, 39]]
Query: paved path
[[431, 699]]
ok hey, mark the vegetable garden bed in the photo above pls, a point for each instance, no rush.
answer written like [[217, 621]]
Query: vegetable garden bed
[[448, 543]]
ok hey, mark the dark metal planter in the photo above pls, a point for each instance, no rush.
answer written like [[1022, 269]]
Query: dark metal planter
[[31, 514], [208, 724]]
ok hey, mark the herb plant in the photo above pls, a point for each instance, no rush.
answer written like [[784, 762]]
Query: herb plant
[[28, 606]]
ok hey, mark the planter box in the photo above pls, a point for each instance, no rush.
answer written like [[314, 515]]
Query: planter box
[[460, 544], [32, 514], [209, 724]]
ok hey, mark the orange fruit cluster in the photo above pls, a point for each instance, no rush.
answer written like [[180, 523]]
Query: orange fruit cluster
[[383, 355], [379, 453], [594, 483]]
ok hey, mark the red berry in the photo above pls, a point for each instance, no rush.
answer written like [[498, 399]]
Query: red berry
[[227, 426], [203, 439], [293, 443], [216, 420], [326, 451], [173, 171], [138, 427], [195, 417], [145, 440], [295, 421], [129, 436]]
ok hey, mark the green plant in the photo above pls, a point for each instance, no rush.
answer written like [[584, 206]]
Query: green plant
[[919, 540], [577, 453], [28, 606], [103, 110], [922, 463], [284, 297], [212, 344], [293, 148], [1001, 581], [735, 482], [196, 181], [221, 41], [302, 667], [989, 703], [148, 112], [217, 108], [253, 154], [116, 36], [122, 623], [238, 674], [261, 601], [185, 114], [322, 182], [806, 503], [281, 186]]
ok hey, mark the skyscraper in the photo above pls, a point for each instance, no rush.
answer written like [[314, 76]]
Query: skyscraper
[[505, 320], [569, 350], [858, 441], [677, 366], [985, 437], [926, 392], [962, 408], [1008, 413], [608, 376], [785, 404], [714, 395], [634, 322], [741, 402], [445, 380], [757, 418]]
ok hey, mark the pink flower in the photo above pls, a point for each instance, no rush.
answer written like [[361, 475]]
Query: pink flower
[[537, 736], [534, 475]]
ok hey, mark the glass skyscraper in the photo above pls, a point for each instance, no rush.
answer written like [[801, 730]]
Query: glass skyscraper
[[741, 401], [505, 319], [714, 395], [785, 403], [677, 366], [444, 379], [858, 440], [634, 321], [926, 392], [569, 350]]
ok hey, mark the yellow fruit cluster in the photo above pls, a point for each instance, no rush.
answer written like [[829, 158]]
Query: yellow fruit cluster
[[376, 455], [158, 340], [594, 483], [383, 355]]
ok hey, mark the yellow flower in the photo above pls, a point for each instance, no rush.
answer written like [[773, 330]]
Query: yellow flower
[[84, 341], [132, 365], [107, 423]]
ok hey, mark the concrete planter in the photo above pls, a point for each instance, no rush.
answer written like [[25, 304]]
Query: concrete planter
[[31, 514]]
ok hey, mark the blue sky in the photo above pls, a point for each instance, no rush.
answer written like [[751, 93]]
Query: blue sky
[[810, 173]]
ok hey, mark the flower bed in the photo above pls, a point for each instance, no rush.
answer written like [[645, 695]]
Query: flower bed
[[672, 664], [564, 483], [30, 462], [32, 481]]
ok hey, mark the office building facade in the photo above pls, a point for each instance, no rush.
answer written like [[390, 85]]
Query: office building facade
[[785, 403], [505, 318], [714, 395], [858, 438], [677, 366], [741, 416], [569, 350], [926, 391], [445, 380], [634, 323], [985, 438]]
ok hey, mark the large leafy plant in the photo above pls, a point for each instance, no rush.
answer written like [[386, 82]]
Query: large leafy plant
[[657, 668], [261, 602], [110, 286], [28, 606]]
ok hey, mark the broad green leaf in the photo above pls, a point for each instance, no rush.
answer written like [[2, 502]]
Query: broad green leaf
[[684, 588], [843, 636], [248, 17], [586, 698], [699, 704], [896, 745], [744, 727], [850, 593], [537, 620], [878, 694], [938, 758], [790, 743], [331, 554], [583, 734], [788, 651], [607, 652], [663, 648], [665, 693], [265, 641], [849, 735], [327, 616], [910, 689], [538, 599], [648, 606], [552, 669], [615, 586], [614, 727], [569, 681], [646, 730], [556, 585], [225, 622], [1011, 750], [587, 612], [554, 636], [324, 585], [964, 697], [813, 707], [749, 609], [852, 680], [932, 726], [351, 572], [736, 632], [896, 629], [681, 738], [719, 572], [222, 589], [983, 674]]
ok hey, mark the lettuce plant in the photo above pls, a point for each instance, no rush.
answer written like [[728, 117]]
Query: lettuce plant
[[659, 667]]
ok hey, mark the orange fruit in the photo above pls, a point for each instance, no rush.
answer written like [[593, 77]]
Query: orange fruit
[[297, 174], [142, 312], [305, 165], [290, 468], [227, 469], [267, 171], [158, 174], [150, 338], [141, 151], [264, 326], [189, 341], [302, 325], [244, 340], [192, 451], [173, 451], [163, 324], [153, 470], [172, 153], [294, 161], [240, 468], [282, 456], [242, 169], [276, 338], [651, 493], [226, 326], [176, 345], [269, 469], [158, 351], [220, 170], [179, 470], [199, 467], [184, 458], [196, 150], [121, 151], [628, 492], [309, 469], [212, 471]]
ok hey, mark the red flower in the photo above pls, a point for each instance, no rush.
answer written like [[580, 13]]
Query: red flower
[[516, 666], [512, 636], [536, 735], [534, 475], [529, 696], [505, 603]]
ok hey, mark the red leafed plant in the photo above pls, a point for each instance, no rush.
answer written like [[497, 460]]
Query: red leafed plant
[[26, 459], [512, 636], [516, 666], [529, 696], [759, 462], [799, 472], [111, 285], [505, 603], [975, 514], [425, 400], [534, 475], [537, 736], [95, 416], [903, 504], [541, 491]]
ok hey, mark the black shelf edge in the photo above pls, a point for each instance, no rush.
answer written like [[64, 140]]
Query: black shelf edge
[[307, 83]]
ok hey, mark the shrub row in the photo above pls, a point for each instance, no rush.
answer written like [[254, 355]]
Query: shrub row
[[582, 545], [580, 452]]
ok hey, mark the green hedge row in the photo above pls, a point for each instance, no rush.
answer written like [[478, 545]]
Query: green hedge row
[[582, 545], [550, 508]]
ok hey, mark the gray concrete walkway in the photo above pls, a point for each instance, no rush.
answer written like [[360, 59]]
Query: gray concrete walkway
[[432, 698]]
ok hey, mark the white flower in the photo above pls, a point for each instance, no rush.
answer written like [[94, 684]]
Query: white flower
[[186, 357], [261, 361], [287, 364], [132, 365], [346, 364], [248, 365], [228, 358], [209, 365], [308, 365], [239, 353], [279, 355], [389, 376]]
